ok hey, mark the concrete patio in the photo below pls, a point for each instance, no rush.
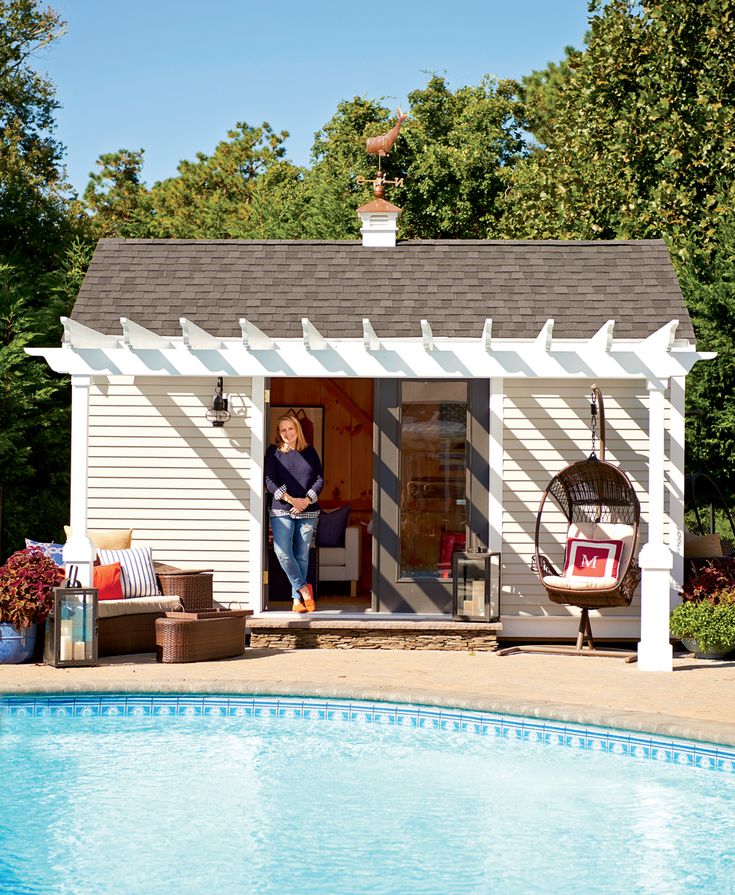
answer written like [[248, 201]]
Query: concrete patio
[[696, 700]]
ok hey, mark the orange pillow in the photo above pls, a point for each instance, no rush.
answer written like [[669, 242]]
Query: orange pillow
[[107, 580]]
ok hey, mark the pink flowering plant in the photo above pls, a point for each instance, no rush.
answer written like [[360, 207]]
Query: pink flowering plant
[[27, 580]]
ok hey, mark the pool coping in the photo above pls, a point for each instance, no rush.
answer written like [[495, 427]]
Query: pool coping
[[621, 742], [658, 724]]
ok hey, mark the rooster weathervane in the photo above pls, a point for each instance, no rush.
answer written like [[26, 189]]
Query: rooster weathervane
[[381, 146]]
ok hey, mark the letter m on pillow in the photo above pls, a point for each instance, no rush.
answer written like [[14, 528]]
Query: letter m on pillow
[[592, 559]]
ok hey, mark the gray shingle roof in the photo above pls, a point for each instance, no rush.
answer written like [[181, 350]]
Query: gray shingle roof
[[454, 284]]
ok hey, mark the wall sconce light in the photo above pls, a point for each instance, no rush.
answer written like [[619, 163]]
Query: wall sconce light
[[218, 413]]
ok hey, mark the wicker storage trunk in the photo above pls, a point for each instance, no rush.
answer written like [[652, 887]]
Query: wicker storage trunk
[[201, 636], [193, 586]]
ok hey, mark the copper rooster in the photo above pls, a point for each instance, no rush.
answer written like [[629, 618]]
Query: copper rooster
[[381, 144]]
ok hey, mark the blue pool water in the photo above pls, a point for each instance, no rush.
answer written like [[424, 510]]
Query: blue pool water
[[346, 800]]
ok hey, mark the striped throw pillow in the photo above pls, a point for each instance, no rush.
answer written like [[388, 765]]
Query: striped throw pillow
[[137, 575]]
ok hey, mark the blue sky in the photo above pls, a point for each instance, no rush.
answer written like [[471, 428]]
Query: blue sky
[[173, 76]]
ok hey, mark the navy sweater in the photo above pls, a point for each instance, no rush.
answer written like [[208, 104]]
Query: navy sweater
[[296, 473]]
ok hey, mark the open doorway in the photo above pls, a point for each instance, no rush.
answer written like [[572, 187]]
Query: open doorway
[[337, 417]]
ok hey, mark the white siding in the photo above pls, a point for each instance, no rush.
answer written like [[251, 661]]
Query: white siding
[[156, 465], [546, 427]]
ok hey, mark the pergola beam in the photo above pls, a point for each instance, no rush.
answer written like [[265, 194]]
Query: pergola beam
[[77, 335], [254, 339], [313, 339], [369, 337], [543, 339], [137, 336], [427, 335], [197, 338], [487, 334], [657, 357], [603, 338], [663, 338]]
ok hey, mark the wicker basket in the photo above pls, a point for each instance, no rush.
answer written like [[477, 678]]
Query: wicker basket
[[200, 636], [194, 587]]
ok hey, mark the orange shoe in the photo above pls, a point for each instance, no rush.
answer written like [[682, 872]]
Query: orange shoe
[[309, 601], [298, 606]]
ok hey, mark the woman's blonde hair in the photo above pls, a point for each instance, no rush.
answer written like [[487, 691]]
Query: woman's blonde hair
[[300, 440]]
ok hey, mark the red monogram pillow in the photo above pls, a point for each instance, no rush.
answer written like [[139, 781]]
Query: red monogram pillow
[[592, 559]]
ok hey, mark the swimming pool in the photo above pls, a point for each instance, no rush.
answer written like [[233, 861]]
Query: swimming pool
[[191, 794]]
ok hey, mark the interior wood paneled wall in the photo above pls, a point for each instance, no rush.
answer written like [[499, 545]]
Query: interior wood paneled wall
[[348, 445]]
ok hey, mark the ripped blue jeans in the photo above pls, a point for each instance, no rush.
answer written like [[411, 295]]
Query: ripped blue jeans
[[291, 542]]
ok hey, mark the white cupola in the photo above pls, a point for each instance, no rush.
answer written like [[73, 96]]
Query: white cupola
[[379, 223]]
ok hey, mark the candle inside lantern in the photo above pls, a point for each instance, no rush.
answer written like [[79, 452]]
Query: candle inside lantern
[[79, 650], [65, 647]]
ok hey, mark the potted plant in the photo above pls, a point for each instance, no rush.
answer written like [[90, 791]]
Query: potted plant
[[705, 620], [27, 580]]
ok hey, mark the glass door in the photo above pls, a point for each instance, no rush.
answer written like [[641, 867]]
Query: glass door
[[432, 476]]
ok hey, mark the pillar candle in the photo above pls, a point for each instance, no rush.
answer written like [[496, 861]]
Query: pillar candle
[[65, 649]]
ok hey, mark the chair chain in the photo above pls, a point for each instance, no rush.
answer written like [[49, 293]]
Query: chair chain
[[593, 414]]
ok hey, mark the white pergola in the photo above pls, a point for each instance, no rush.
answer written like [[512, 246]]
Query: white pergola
[[660, 359]]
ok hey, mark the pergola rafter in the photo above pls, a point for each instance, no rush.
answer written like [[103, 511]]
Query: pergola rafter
[[139, 351]]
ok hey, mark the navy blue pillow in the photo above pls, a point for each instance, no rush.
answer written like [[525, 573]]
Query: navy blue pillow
[[330, 532]]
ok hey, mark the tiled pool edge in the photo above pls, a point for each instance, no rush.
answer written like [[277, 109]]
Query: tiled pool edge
[[620, 742]]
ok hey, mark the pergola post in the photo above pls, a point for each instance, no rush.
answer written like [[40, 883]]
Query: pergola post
[[655, 559], [78, 549]]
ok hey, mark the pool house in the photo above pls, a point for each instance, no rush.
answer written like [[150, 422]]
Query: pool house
[[443, 382]]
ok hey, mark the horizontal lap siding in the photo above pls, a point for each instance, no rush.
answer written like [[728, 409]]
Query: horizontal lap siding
[[547, 427], [156, 465]]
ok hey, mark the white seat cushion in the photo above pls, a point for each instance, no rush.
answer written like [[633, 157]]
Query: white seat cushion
[[332, 556], [578, 582], [137, 606]]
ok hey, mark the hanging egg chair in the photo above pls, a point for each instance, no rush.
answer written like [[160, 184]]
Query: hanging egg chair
[[601, 513]]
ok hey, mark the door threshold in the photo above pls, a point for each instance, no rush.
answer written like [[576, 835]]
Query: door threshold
[[352, 615]]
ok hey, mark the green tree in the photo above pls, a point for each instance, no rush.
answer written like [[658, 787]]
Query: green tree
[[212, 197], [453, 155], [36, 218], [638, 135], [118, 198], [44, 244], [34, 423], [643, 129], [541, 91], [710, 297], [460, 147]]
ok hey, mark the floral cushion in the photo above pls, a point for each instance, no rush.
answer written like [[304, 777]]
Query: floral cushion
[[50, 549]]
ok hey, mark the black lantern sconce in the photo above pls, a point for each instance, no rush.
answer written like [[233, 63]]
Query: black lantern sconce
[[219, 413], [476, 591]]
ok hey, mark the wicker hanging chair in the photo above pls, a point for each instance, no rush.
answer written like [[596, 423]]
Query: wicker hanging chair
[[598, 502]]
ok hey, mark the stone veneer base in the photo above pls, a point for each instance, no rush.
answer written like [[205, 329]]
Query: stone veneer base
[[299, 633]]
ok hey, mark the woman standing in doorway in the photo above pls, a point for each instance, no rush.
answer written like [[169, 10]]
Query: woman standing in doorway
[[293, 475]]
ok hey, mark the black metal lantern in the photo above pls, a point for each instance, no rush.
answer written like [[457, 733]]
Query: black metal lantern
[[71, 628], [476, 591], [219, 413]]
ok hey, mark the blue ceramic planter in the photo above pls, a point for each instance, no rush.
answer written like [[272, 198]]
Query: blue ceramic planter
[[16, 646]]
